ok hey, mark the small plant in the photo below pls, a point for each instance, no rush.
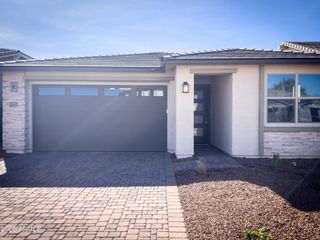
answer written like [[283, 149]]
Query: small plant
[[260, 234], [316, 185], [275, 159], [201, 167]]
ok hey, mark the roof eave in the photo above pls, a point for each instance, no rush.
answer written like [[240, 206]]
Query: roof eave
[[25, 55], [79, 68], [244, 61]]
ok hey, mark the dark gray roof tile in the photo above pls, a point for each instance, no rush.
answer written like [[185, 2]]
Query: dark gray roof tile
[[125, 60], [243, 53]]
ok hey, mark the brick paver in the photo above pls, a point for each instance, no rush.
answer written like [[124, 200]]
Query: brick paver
[[90, 196]]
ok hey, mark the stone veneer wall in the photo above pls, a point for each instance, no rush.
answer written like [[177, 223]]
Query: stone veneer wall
[[303, 144], [15, 127]]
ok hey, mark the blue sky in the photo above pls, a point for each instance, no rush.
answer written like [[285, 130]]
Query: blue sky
[[62, 28]]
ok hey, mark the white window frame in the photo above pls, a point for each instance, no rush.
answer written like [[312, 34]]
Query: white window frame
[[296, 98]]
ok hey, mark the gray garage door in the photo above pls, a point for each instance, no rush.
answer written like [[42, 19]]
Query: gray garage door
[[99, 118]]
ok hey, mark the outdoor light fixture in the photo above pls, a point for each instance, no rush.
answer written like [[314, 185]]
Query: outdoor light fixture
[[185, 87]]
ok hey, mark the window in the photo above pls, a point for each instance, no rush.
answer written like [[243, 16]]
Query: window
[[198, 132], [158, 93], [281, 85], [198, 119], [198, 94], [143, 92], [280, 110], [293, 98], [114, 92], [84, 91], [198, 107], [52, 91], [309, 110], [309, 85]]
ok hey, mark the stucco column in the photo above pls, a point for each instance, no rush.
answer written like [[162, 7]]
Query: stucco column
[[184, 109]]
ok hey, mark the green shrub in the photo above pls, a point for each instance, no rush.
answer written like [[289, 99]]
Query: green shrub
[[316, 185], [260, 234]]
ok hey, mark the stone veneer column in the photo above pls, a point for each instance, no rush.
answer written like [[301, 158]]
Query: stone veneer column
[[15, 127]]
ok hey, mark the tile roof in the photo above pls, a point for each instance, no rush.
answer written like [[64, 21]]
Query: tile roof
[[243, 53], [155, 60], [125, 60], [301, 46], [7, 54]]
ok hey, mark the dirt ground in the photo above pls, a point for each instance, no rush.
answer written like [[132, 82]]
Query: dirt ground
[[225, 202]]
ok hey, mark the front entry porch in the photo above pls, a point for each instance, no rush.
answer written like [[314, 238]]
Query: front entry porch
[[213, 112], [211, 156]]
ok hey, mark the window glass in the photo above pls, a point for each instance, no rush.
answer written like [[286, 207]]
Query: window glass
[[158, 93], [309, 110], [198, 107], [198, 132], [280, 110], [309, 85], [143, 92], [198, 119], [117, 92], [281, 85], [84, 91], [198, 94], [52, 91]]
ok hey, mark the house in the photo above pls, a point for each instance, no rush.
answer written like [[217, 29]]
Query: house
[[309, 47], [246, 102], [9, 55]]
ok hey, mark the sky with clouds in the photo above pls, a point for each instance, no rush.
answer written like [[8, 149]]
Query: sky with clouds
[[62, 28]]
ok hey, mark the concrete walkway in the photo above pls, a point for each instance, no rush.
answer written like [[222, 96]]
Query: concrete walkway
[[90, 196], [213, 158]]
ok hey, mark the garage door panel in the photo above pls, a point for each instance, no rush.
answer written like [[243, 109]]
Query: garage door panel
[[99, 123]]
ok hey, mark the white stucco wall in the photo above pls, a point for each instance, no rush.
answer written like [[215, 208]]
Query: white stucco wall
[[245, 117], [184, 114], [221, 113], [239, 134]]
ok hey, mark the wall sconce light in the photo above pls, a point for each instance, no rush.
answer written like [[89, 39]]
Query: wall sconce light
[[185, 87]]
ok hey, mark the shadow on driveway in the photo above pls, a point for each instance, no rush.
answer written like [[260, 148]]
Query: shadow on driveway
[[86, 169]]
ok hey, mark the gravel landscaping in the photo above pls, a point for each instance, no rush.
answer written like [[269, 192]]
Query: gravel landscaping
[[228, 201]]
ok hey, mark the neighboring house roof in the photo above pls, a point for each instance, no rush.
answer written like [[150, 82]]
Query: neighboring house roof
[[12, 55], [155, 61], [301, 46]]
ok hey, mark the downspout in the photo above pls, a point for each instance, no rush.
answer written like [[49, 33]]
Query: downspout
[[261, 110]]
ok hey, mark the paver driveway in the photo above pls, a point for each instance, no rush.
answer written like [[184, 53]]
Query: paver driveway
[[90, 196]]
